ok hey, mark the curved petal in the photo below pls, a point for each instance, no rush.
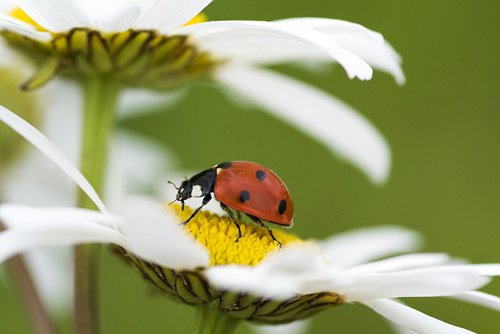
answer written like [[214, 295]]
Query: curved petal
[[23, 29], [425, 282], [248, 279], [55, 15], [23, 216], [417, 321], [480, 298], [403, 262], [362, 245], [256, 41], [361, 41], [321, 116], [166, 15], [41, 142], [51, 229], [154, 234]]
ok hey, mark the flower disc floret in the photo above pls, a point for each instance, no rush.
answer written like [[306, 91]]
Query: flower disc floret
[[218, 235]]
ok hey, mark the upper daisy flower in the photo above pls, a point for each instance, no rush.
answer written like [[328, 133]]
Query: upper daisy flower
[[253, 279], [162, 44], [155, 43]]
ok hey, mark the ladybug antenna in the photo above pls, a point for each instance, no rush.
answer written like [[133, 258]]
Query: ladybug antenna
[[175, 200], [173, 185]]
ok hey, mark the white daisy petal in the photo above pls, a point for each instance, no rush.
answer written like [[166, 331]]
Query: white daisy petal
[[402, 262], [22, 216], [283, 274], [480, 298], [55, 15], [426, 282], [362, 245], [252, 280], [23, 29], [417, 321], [47, 229], [166, 15], [7, 5], [492, 269], [51, 151], [154, 234], [321, 116], [254, 40], [364, 42], [112, 16]]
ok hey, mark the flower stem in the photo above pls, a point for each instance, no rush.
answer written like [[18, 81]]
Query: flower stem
[[100, 102], [214, 322], [23, 281]]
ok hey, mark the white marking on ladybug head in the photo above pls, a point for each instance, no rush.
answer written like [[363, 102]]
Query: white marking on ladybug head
[[218, 170], [196, 191]]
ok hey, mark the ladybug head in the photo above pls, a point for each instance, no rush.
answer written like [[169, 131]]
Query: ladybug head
[[183, 192]]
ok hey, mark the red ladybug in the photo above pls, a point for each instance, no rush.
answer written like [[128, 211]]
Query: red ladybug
[[242, 186]]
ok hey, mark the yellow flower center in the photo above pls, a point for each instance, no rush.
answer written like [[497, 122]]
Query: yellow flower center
[[21, 15], [218, 235], [200, 18]]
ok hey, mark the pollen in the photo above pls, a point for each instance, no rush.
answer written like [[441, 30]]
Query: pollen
[[21, 15], [220, 238]]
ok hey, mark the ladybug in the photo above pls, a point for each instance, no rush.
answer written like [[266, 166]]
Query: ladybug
[[244, 187]]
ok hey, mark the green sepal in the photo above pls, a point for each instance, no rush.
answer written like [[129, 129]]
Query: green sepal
[[229, 300], [98, 53], [167, 49], [47, 70], [133, 48], [78, 42], [184, 291]]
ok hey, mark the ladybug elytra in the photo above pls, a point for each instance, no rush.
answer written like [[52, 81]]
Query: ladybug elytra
[[245, 187]]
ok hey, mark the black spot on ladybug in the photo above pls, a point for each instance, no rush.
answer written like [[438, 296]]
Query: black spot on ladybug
[[261, 175], [282, 207], [244, 196], [225, 165]]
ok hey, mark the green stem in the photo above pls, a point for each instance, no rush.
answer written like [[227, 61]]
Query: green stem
[[100, 102], [214, 322]]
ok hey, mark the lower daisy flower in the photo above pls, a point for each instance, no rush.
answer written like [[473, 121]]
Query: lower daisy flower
[[252, 279]]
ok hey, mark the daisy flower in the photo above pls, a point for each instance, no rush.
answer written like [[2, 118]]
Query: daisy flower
[[162, 44], [252, 279], [22, 168]]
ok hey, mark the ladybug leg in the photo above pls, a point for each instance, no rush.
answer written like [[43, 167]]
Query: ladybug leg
[[260, 223], [231, 217], [205, 201]]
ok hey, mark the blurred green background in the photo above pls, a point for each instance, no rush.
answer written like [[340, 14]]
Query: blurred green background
[[443, 127]]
